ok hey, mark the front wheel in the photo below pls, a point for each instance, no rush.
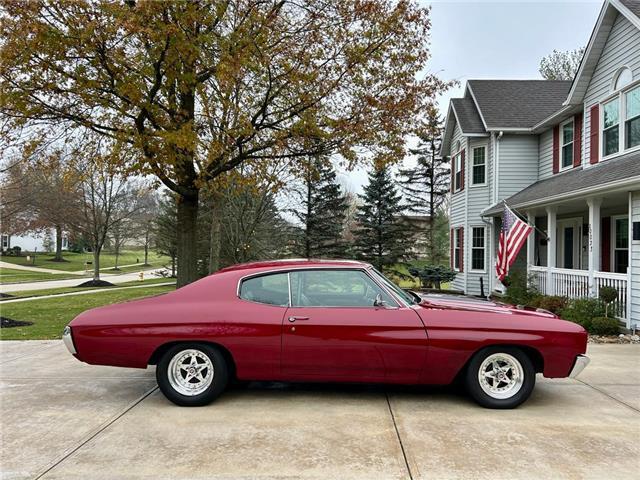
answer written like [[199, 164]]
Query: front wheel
[[500, 377], [192, 374]]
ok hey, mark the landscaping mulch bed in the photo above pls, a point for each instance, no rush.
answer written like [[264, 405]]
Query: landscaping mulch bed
[[95, 283], [5, 295], [9, 322], [622, 338]]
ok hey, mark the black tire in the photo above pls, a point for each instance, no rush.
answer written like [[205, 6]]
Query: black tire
[[218, 381], [511, 400]]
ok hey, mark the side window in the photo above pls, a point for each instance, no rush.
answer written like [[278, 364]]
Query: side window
[[271, 289], [335, 288]]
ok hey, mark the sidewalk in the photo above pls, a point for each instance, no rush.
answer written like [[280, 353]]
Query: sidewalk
[[43, 285], [27, 268]]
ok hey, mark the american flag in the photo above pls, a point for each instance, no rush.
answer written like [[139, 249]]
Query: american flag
[[512, 236]]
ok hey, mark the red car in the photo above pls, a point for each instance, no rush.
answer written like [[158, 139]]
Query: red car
[[326, 321]]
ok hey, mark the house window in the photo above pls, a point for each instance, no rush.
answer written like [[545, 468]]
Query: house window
[[621, 244], [479, 166], [5, 241], [623, 78], [458, 172], [457, 248], [566, 152], [477, 248], [610, 127], [632, 118]]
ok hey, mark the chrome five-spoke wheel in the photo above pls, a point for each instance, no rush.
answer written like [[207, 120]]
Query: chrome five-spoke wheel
[[500, 377], [192, 374]]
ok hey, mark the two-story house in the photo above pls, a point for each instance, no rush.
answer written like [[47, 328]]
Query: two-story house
[[566, 156]]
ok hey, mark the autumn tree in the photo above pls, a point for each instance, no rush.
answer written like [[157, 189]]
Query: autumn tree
[[382, 237], [166, 228], [559, 65], [426, 185], [321, 210], [199, 88]]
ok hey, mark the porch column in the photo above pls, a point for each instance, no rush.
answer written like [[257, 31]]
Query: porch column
[[551, 248], [531, 241], [594, 241]]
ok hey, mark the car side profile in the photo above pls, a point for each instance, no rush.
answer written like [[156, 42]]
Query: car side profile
[[326, 321]]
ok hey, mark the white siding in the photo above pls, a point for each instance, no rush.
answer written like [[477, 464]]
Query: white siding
[[518, 163], [635, 261], [545, 152], [622, 49]]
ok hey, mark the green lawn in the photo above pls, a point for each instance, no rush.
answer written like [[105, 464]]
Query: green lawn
[[58, 291], [51, 315], [76, 261], [10, 275]]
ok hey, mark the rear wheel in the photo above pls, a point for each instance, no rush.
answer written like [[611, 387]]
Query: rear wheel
[[500, 377], [192, 374]]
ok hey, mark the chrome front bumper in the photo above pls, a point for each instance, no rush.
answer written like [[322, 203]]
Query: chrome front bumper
[[581, 362], [68, 339]]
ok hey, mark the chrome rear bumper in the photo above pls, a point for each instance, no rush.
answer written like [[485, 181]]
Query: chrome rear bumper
[[68, 340], [581, 362]]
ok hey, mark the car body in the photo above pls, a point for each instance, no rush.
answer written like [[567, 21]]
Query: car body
[[327, 321]]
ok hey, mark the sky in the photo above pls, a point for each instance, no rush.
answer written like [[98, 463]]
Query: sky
[[496, 39]]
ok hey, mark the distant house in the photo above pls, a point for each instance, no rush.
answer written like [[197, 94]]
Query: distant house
[[565, 155], [419, 225], [41, 241]]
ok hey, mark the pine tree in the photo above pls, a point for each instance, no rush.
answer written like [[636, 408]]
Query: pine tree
[[382, 237], [165, 228], [323, 211], [426, 186]]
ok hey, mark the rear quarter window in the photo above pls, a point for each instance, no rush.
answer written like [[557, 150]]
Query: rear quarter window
[[272, 289]]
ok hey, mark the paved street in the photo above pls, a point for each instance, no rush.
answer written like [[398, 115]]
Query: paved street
[[62, 419]]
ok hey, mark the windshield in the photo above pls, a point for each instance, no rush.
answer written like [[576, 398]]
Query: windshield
[[410, 299]]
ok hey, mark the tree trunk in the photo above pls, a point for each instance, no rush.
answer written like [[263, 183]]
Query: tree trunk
[[173, 266], [115, 267], [146, 247], [215, 241], [187, 239], [58, 256], [96, 264]]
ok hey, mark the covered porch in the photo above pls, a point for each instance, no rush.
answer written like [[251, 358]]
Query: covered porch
[[580, 246]]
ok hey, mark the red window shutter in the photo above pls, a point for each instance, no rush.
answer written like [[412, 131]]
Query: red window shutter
[[577, 140], [556, 149], [461, 237], [605, 246], [462, 162], [451, 256], [595, 131]]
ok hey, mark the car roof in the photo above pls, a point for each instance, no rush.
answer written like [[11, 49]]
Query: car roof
[[296, 262]]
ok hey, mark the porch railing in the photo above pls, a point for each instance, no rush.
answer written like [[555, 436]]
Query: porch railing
[[575, 284]]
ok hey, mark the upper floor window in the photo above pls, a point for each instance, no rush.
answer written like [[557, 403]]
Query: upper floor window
[[457, 163], [566, 152], [622, 78], [632, 118], [479, 174], [610, 127]]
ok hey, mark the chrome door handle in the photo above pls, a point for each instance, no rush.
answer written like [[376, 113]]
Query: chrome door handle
[[293, 319]]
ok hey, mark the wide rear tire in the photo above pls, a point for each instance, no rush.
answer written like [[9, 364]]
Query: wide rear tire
[[500, 377], [192, 374]]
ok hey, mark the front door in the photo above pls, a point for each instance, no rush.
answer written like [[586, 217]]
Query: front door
[[569, 239], [335, 330]]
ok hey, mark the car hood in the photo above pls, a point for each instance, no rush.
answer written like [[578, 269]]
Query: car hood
[[450, 302]]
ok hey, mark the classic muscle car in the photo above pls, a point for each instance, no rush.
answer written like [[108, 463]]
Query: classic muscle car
[[326, 321]]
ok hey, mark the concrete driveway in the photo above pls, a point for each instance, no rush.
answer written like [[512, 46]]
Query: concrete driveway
[[62, 419]]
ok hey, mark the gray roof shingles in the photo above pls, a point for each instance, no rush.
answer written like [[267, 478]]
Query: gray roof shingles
[[625, 167], [633, 6], [467, 115], [518, 103]]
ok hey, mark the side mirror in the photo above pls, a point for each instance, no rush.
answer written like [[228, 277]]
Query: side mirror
[[378, 302]]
